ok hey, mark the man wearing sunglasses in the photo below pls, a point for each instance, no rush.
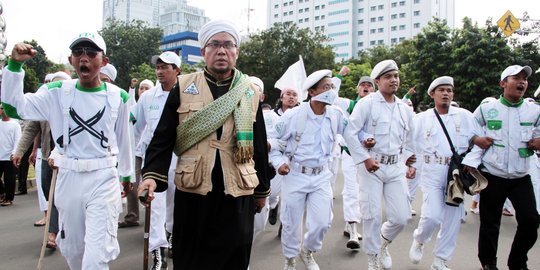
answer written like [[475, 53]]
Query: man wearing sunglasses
[[89, 123], [213, 121]]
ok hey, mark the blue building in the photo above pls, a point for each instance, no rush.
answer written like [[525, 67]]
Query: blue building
[[185, 44]]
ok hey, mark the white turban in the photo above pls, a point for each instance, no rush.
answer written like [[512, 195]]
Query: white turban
[[62, 75], [256, 81], [217, 26], [110, 71], [147, 82]]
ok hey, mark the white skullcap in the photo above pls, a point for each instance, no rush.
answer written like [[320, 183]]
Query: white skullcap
[[49, 77], [366, 79], [62, 75], [217, 26], [256, 81], [110, 71], [453, 103], [444, 80], [514, 70], [488, 100], [168, 58], [91, 37], [383, 67], [315, 77], [147, 82]]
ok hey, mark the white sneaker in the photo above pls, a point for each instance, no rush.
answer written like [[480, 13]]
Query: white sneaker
[[353, 242], [373, 262], [439, 264], [384, 256], [290, 264], [309, 261], [475, 210], [347, 231], [416, 252]]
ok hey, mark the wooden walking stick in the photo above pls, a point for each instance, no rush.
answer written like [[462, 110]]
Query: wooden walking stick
[[49, 207], [143, 197]]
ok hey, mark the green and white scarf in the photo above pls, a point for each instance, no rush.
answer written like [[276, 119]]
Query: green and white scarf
[[202, 123]]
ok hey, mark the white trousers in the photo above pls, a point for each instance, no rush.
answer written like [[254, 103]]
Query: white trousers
[[43, 204], [275, 191], [88, 206], [388, 183], [171, 190], [535, 179], [314, 194], [157, 237], [436, 214], [350, 193], [259, 222]]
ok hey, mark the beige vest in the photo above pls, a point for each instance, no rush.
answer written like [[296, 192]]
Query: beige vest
[[194, 167]]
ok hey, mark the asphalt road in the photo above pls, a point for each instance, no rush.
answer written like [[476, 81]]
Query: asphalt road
[[20, 243]]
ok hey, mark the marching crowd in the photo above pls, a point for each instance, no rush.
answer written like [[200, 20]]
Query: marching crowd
[[218, 163]]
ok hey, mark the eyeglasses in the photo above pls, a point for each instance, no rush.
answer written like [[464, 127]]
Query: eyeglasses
[[226, 45], [90, 52]]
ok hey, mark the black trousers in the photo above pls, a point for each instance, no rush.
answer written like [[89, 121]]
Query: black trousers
[[9, 172], [521, 194], [212, 232], [22, 172]]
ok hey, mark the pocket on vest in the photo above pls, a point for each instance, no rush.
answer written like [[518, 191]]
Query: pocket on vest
[[248, 175], [188, 174]]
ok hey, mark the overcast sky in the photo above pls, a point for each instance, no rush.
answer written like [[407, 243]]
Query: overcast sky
[[53, 23]]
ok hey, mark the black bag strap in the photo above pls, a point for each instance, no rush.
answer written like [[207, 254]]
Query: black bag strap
[[445, 132]]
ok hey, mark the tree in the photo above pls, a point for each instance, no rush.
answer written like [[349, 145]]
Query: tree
[[129, 44], [269, 53], [36, 68]]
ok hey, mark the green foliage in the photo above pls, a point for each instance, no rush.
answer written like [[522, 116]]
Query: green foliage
[[35, 68], [269, 53], [129, 45], [142, 72], [349, 82]]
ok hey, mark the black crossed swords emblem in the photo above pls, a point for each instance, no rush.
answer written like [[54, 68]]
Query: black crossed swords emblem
[[85, 126]]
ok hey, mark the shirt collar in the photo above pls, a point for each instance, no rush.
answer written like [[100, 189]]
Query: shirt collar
[[507, 103]]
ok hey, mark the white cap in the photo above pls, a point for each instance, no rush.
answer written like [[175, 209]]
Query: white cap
[[217, 26], [383, 67], [454, 104], [167, 58], [60, 74], [147, 82], [91, 37], [256, 81], [444, 80], [315, 77], [515, 69], [110, 71], [49, 77]]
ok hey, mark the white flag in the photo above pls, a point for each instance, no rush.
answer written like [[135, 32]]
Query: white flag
[[294, 78]]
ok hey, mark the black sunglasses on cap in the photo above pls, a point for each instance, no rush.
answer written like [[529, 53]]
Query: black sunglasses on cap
[[89, 51]]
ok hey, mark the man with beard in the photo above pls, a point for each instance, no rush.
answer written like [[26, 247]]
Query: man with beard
[[513, 126], [89, 123], [379, 174], [213, 121]]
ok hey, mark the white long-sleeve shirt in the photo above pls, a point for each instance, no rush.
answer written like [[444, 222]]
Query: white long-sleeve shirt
[[91, 132], [390, 123], [10, 134]]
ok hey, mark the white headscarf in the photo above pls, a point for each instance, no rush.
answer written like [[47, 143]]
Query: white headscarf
[[217, 26]]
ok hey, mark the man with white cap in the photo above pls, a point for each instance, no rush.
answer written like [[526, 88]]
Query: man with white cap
[[222, 147], [351, 203], [148, 112], [435, 153], [379, 174], [108, 73], [89, 120], [513, 125], [307, 133]]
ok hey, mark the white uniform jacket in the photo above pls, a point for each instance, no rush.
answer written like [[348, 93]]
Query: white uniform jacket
[[92, 135], [312, 149], [511, 127], [391, 126], [147, 115], [434, 147]]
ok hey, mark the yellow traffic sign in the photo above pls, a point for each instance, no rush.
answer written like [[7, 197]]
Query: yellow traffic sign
[[508, 23]]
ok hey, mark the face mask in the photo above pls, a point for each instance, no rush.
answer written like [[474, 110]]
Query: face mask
[[327, 97]]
